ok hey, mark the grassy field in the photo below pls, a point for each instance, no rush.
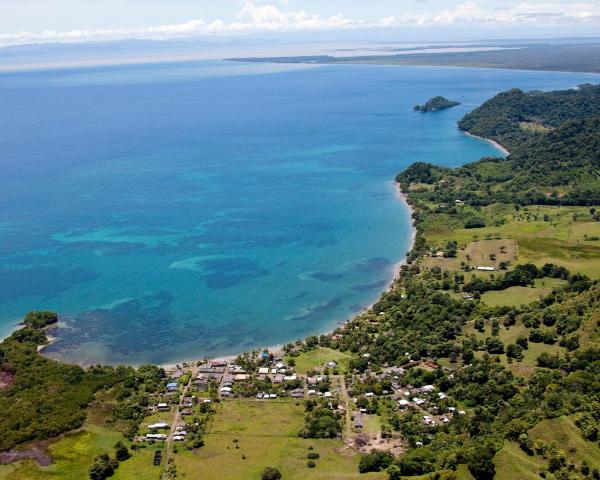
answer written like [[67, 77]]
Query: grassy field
[[567, 437], [74, 453], [318, 357], [512, 463], [509, 335], [517, 296], [266, 434], [543, 234]]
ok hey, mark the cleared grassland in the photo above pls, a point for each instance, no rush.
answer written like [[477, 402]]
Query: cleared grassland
[[318, 357], [567, 437], [509, 335], [512, 463], [543, 234], [74, 453], [266, 434], [517, 296]]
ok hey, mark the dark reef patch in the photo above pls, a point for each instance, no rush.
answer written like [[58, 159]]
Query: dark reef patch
[[326, 276], [43, 282]]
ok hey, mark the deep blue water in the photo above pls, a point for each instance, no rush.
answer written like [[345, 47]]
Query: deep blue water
[[175, 211]]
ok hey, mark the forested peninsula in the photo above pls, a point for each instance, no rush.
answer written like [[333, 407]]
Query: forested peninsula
[[482, 361]]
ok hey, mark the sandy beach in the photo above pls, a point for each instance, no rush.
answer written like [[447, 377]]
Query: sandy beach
[[489, 140]]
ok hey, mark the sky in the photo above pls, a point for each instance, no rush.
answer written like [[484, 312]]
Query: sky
[[40, 21]]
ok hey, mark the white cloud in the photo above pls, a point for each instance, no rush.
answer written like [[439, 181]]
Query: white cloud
[[268, 17]]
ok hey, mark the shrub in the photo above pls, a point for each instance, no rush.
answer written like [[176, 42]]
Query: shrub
[[271, 473]]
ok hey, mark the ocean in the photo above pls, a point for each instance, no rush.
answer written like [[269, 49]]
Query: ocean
[[172, 212]]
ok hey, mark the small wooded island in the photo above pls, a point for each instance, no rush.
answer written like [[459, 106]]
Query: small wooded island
[[435, 104]]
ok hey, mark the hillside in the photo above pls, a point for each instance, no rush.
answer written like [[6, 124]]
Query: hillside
[[554, 140]]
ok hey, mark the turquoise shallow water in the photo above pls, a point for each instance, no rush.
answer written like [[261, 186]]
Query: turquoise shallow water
[[175, 211]]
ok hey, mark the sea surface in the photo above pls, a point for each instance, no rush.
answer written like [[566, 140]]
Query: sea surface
[[176, 211]]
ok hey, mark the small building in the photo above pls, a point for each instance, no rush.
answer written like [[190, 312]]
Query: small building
[[158, 426], [163, 407], [263, 371], [358, 421], [187, 412], [298, 393], [486, 269]]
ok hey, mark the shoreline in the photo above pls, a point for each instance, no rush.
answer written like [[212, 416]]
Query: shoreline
[[494, 143], [278, 349]]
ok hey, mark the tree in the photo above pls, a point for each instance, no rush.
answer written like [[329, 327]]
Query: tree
[[121, 452], [394, 473], [271, 473], [102, 468], [481, 465], [375, 461]]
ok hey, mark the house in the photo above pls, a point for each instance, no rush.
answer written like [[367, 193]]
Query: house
[[327, 395], [218, 362], [442, 395], [298, 393], [156, 436], [273, 395], [403, 403], [332, 364], [263, 371], [369, 394], [312, 392], [278, 378], [178, 438], [163, 407], [358, 421], [177, 374], [241, 377], [290, 378], [158, 426], [171, 386], [186, 412], [312, 380], [188, 402], [226, 389]]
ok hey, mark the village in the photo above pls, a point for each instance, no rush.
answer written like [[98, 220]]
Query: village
[[364, 400]]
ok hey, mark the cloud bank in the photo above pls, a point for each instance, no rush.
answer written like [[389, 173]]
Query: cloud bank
[[269, 18]]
